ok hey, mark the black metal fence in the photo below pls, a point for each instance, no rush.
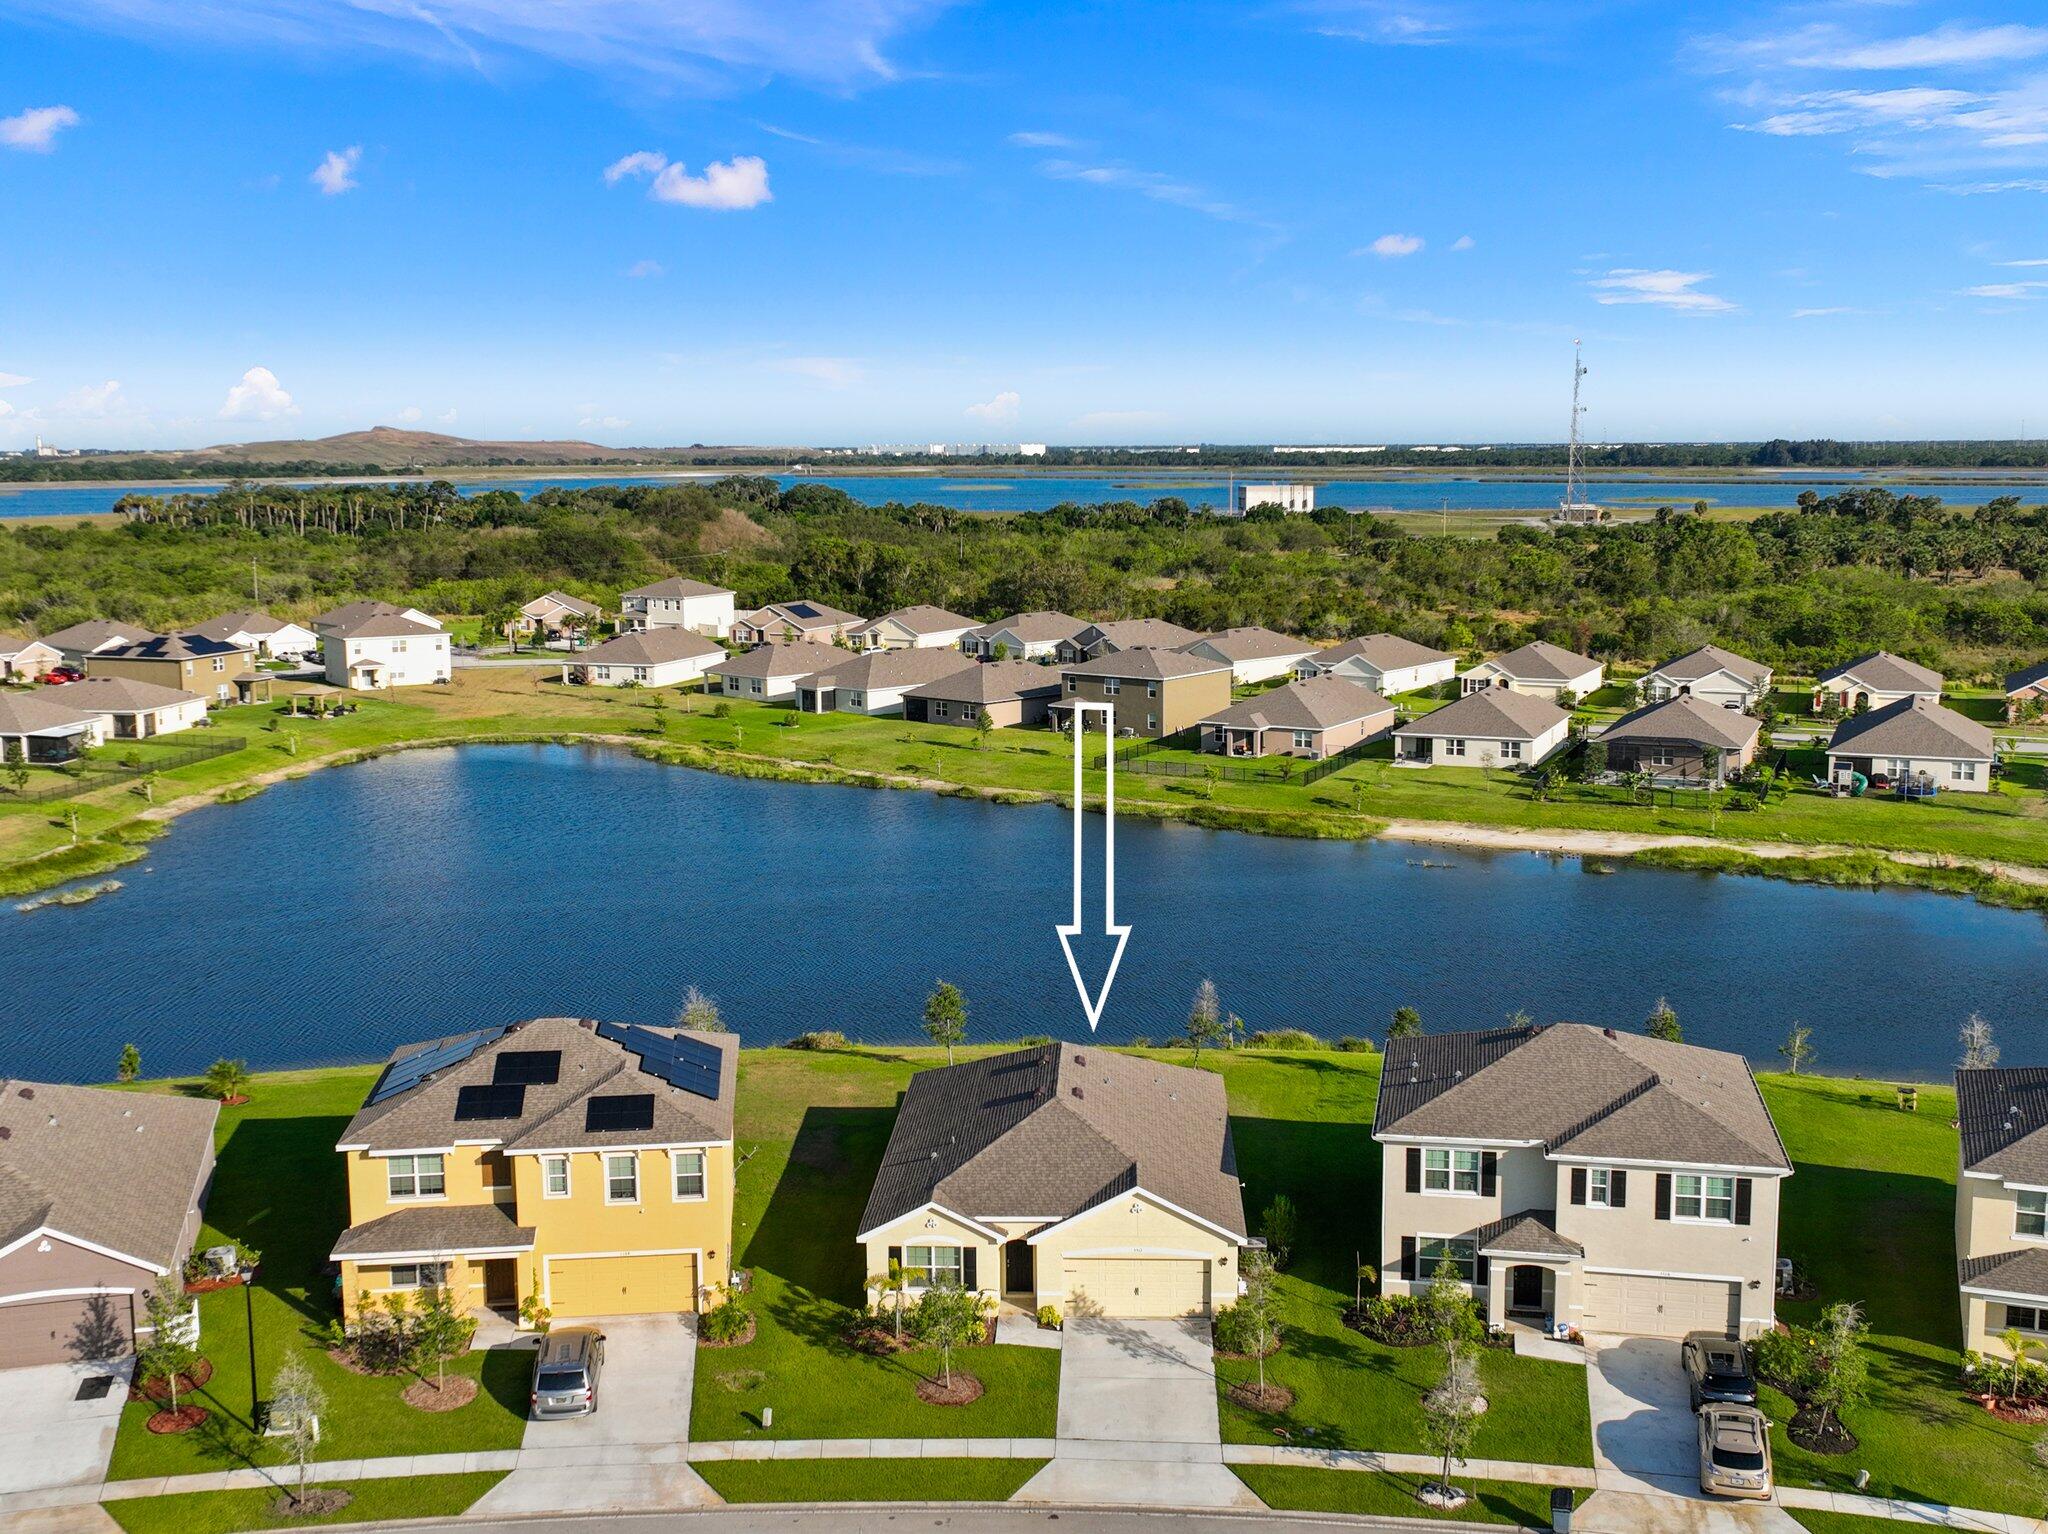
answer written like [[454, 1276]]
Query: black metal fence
[[89, 774], [1219, 771]]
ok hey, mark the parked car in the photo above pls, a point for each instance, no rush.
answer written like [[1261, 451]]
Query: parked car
[[566, 1371], [1735, 1452], [1717, 1369], [61, 675]]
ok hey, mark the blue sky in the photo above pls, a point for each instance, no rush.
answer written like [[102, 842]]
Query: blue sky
[[673, 221]]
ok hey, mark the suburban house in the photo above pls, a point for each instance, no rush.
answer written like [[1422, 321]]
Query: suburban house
[[23, 659], [1153, 693], [1022, 636], [1314, 716], [912, 628], [40, 726], [1674, 740], [554, 613], [1010, 692], [1872, 681], [133, 710], [254, 629], [1538, 670], [185, 662], [1577, 1176], [1916, 745], [1386, 663], [678, 603], [1252, 654], [1494, 728], [384, 649], [100, 1195], [1063, 1175], [588, 1166], [2002, 1206], [1123, 634], [792, 623], [875, 681], [74, 644], [351, 613], [2024, 690], [771, 670], [663, 657], [1711, 674]]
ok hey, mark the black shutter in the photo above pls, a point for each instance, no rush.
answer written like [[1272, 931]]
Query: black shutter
[[896, 1255], [1742, 1201], [967, 1256], [1489, 1173], [1414, 1169], [1617, 1189], [1480, 1271], [1663, 1195], [1578, 1185], [1408, 1258]]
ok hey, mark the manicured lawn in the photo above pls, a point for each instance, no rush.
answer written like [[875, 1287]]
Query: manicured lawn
[[1840, 1523], [278, 1187], [224, 1512], [1389, 1494], [869, 1480]]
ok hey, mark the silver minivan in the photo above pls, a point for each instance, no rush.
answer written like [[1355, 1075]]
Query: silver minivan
[[566, 1371]]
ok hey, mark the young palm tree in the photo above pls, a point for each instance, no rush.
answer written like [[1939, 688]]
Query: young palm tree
[[228, 1078]]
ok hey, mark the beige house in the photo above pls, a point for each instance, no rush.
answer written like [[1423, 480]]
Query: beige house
[[1496, 727], [1312, 717], [1711, 674], [1063, 1175], [2025, 690], [2002, 1205], [793, 623], [1152, 693], [1023, 636], [132, 710], [1253, 654], [1873, 681], [216, 668], [663, 657], [23, 659], [1676, 740], [678, 603], [41, 727], [770, 670], [556, 612], [875, 682], [1537, 670], [1914, 745], [1012, 693], [1581, 1177], [912, 628], [1123, 634], [1386, 663]]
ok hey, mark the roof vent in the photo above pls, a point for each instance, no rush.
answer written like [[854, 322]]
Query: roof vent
[[1606, 1033], [6, 1133], [26, 1094], [1080, 1058], [1076, 1091]]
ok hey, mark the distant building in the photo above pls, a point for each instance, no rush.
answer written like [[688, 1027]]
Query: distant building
[[1295, 500], [1030, 449]]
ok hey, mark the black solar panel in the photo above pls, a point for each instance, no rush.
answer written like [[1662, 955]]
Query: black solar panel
[[490, 1102], [682, 1062], [527, 1068], [802, 610], [404, 1075], [601, 1114]]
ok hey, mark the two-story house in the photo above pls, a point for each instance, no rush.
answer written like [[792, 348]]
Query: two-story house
[[678, 603], [384, 649], [588, 1165], [1153, 693], [214, 668], [1577, 1176], [1122, 634], [2002, 1205]]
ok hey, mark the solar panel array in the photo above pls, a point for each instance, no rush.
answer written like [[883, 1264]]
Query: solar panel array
[[496, 1101], [688, 1063], [527, 1068], [403, 1075], [601, 1114]]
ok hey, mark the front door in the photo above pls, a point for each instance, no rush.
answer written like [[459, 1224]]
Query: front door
[[1526, 1293], [501, 1283], [1017, 1268]]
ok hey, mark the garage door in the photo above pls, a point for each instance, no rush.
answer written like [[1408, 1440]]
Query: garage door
[[1641, 1306], [621, 1286], [75, 1330], [1142, 1286]]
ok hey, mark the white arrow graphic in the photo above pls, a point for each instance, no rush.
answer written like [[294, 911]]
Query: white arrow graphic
[[1092, 1002]]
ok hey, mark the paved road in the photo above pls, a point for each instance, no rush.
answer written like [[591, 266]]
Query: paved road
[[955, 1520]]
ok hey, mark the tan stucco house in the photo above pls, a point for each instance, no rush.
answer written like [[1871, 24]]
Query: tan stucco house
[[793, 623], [1711, 674], [1915, 744], [1675, 740], [1875, 681], [2002, 1205], [1537, 670], [1123, 634], [23, 659], [1063, 1175], [1494, 727], [1151, 693], [1010, 692], [2025, 690], [215, 668], [1311, 717], [923, 627]]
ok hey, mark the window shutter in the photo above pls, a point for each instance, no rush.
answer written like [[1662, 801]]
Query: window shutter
[[1742, 1200], [1617, 1189], [1578, 1185], [1481, 1271], [1489, 1173], [896, 1255], [1408, 1258], [967, 1266], [1663, 1195], [1414, 1169]]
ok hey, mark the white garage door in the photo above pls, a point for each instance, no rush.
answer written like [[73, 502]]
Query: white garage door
[[1641, 1306], [1141, 1286]]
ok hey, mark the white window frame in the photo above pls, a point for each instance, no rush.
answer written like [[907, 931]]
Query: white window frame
[[416, 1174], [632, 1160], [1468, 1265], [2021, 1214], [935, 1271], [1111, 686], [1702, 1198], [1511, 750], [549, 1165], [1151, 689], [677, 1159], [1453, 746], [425, 1275], [1600, 1187], [1963, 772], [2037, 1314], [1454, 1166], [1304, 740]]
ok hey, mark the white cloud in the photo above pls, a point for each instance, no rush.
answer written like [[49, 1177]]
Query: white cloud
[[2005, 290], [258, 397], [1463, 242], [1387, 23], [641, 162], [648, 267], [1825, 47], [1000, 411], [410, 414], [2030, 261], [93, 400], [1392, 245], [1991, 188], [741, 182], [1823, 313], [832, 372], [5, 409], [1664, 288], [446, 418], [335, 173], [1149, 183], [1030, 140], [36, 129], [14, 380]]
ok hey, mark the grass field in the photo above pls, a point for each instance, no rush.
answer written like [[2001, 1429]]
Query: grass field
[[869, 1480], [225, 1512], [1390, 1494]]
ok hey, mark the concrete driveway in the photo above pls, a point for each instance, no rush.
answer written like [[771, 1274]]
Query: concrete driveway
[[49, 1438]]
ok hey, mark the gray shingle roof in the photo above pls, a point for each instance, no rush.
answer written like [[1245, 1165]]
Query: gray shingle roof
[[116, 695], [1708, 659], [1135, 633], [1885, 672], [1055, 1130], [1495, 713], [1913, 727], [1579, 1091], [1382, 652], [779, 660], [1542, 661], [95, 632], [2002, 1115], [24, 713], [1686, 719], [249, 621], [921, 619], [1145, 664], [882, 669], [443, 1230], [1533, 1232], [802, 617], [179, 647], [563, 599], [349, 614], [997, 681], [1250, 644], [677, 587], [653, 647], [2021, 1272], [1033, 627], [1313, 703], [2032, 676]]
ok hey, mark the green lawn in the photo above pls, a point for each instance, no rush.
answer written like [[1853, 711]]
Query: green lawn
[[1840, 1523], [869, 1480], [224, 1512], [1390, 1494], [279, 1188]]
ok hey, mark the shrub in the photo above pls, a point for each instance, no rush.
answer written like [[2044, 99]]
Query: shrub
[[1785, 1359], [727, 1321], [1285, 1038], [1353, 1044], [819, 1038], [1399, 1320], [721, 710], [1237, 1331], [1278, 1225], [1049, 1317]]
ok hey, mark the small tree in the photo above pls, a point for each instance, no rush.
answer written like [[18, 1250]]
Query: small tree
[[1256, 1270], [2019, 1345], [227, 1078], [1000, 651], [1593, 760], [297, 1402], [1208, 1023], [169, 1355], [945, 1017], [1842, 1377], [1797, 1048], [1662, 1023], [17, 766], [699, 1012], [1450, 1416], [948, 1317], [1980, 1050], [896, 1284], [1278, 1225], [1406, 1024], [984, 727], [131, 1063], [439, 1332], [1449, 1317]]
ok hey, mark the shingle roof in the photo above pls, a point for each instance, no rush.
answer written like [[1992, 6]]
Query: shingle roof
[[249, 621], [803, 617], [653, 647], [351, 613], [381, 626], [172, 647], [95, 632], [1313, 703], [25, 713], [921, 619], [1886, 672], [2002, 1115], [551, 1117], [676, 587], [1686, 719], [1382, 652], [1250, 644], [1494, 713], [444, 1230], [997, 681], [891, 668], [1145, 664], [118, 1169], [563, 599], [1914, 727], [2032, 676], [2022, 1272], [1033, 627], [1542, 661], [1135, 633], [1708, 659], [1579, 1091], [1055, 1130], [1533, 1232], [779, 660], [117, 695]]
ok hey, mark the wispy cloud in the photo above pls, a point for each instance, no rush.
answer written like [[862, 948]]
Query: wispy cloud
[[741, 182], [832, 372], [648, 267], [2005, 290], [94, 400], [641, 162], [257, 397], [36, 128], [1990, 188], [1829, 46], [14, 380], [1464, 242], [1153, 184], [1042, 140], [1385, 23], [1826, 311], [336, 172], [1000, 411], [876, 157], [1664, 288], [1390, 246]]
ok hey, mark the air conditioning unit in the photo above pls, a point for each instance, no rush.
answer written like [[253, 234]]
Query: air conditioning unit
[[1784, 1275]]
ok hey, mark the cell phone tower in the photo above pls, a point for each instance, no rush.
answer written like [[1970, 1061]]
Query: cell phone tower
[[1575, 507]]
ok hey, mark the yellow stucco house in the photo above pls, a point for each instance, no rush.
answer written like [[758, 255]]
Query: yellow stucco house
[[2002, 1206], [584, 1165]]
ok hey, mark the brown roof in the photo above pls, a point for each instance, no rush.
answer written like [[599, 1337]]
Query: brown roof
[[1057, 1129], [652, 647], [1686, 719], [383, 625], [2003, 1119], [1708, 659], [26, 713], [562, 599], [921, 619], [1913, 727], [1135, 633], [1542, 661], [1533, 1232], [803, 617], [1382, 652], [355, 612], [442, 1231], [890, 668], [116, 695], [1579, 1091], [1034, 628], [1144, 664], [117, 1169], [997, 681], [1249, 644], [676, 587], [773, 660], [1313, 703], [1886, 672], [1493, 713]]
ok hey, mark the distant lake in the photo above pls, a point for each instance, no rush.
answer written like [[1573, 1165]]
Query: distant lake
[[334, 917], [1037, 493]]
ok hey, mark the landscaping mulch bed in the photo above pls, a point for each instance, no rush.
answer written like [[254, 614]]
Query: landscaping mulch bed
[[208, 1285], [964, 1390], [423, 1395], [2025, 1412], [159, 1391], [183, 1420], [746, 1336], [316, 1503], [879, 1339], [1270, 1398], [1818, 1436], [345, 1357]]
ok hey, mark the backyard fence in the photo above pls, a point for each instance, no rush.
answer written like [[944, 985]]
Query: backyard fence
[[89, 775]]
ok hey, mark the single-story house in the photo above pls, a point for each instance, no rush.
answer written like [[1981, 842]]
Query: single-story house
[[1915, 745], [556, 612], [1539, 669], [1010, 692], [1063, 1175], [350, 614], [1315, 717], [215, 668], [1252, 654], [1123, 634], [1875, 680], [254, 629], [1022, 636], [923, 627], [1386, 663], [1150, 693], [1673, 740], [657, 657], [43, 728], [1711, 674], [2002, 1206], [875, 681], [1497, 727], [771, 670], [134, 710], [678, 603], [793, 623], [379, 649], [80, 640], [23, 659], [2025, 689], [101, 1194]]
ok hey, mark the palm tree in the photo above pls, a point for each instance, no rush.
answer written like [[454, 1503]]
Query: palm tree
[[226, 1079], [2019, 1344]]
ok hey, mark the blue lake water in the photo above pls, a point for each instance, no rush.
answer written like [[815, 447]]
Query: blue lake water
[[1029, 493], [332, 918]]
